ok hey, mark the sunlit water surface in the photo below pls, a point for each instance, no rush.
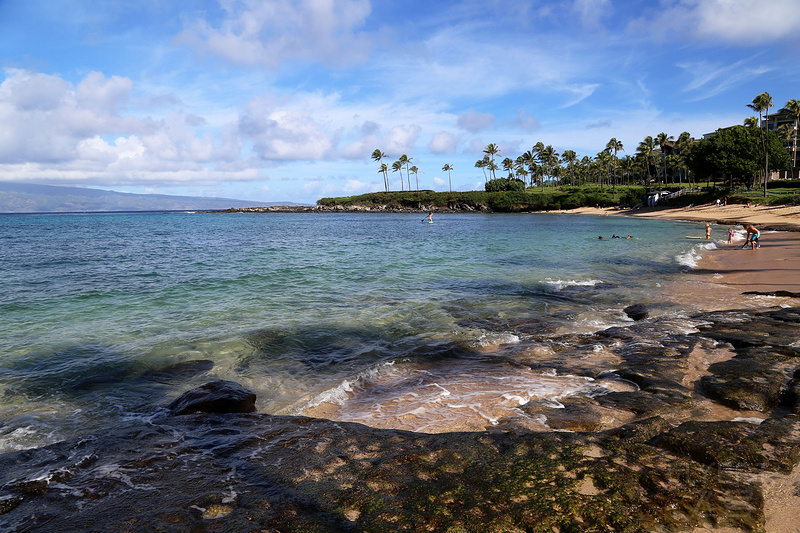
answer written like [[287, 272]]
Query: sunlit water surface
[[376, 318]]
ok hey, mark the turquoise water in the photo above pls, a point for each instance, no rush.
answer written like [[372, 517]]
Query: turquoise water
[[304, 309]]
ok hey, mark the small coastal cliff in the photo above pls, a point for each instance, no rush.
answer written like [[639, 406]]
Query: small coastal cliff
[[658, 458]]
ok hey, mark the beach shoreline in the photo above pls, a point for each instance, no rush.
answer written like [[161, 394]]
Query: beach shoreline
[[723, 277], [765, 217], [774, 266]]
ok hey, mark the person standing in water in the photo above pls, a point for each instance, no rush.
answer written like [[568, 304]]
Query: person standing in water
[[752, 236], [730, 235], [708, 230]]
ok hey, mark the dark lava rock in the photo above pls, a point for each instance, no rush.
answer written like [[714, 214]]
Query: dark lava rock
[[660, 471], [637, 312], [753, 380], [747, 392], [791, 395], [578, 413], [642, 430], [192, 473], [785, 294], [773, 445], [770, 328], [215, 397]]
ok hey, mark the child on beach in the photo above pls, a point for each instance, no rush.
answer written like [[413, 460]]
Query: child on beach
[[730, 235]]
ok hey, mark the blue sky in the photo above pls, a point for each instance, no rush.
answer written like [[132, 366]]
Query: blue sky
[[285, 100]]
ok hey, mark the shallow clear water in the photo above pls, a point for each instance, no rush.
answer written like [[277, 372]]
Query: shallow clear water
[[306, 310]]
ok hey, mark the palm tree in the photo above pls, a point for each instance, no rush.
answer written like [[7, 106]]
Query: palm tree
[[661, 141], [385, 171], [397, 166], [614, 146], [447, 168], [645, 150], [570, 157], [682, 146], [405, 160], [491, 165], [481, 164], [492, 150], [584, 169], [751, 122], [762, 103], [508, 166], [521, 174], [793, 107], [415, 170], [378, 156], [529, 160]]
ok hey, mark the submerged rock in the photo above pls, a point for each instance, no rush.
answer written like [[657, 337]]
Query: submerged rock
[[179, 371], [215, 397], [637, 312]]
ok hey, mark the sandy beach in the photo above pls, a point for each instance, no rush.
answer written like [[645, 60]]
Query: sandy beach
[[774, 266]]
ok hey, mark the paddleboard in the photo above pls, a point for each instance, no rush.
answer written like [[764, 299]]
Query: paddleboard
[[694, 237]]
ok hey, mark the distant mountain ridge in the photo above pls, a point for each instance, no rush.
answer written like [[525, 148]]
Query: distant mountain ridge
[[29, 198]]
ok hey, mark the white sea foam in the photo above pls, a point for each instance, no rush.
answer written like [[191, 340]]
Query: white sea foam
[[749, 419], [689, 259], [487, 340], [438, 396], [341, 392], [560, 284]]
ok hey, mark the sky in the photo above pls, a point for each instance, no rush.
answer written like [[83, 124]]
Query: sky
[[285, 100]]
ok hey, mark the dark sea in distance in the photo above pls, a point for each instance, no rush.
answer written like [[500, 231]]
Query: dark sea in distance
[[376, 318]]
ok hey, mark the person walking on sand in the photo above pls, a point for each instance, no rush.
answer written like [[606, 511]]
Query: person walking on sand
[[752, 236], [708, 230]]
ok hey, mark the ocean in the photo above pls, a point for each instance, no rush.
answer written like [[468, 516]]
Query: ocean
[[382, 319]]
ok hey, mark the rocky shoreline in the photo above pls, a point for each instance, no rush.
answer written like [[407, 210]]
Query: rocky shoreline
[[461, 208], [659, 458]]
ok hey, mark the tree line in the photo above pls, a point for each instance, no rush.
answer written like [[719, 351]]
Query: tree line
[[743, 155]]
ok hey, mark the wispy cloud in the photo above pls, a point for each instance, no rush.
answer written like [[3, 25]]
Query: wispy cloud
[[708, 79], [271, 33]]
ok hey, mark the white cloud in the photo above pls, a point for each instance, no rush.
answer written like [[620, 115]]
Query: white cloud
[[401, 140], [106, 95], [255, 32], [443, 143], [737, 22], [473, 121], [526, 121]]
